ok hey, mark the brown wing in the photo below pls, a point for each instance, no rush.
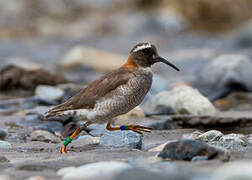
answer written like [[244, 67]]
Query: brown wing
[[87, 98]]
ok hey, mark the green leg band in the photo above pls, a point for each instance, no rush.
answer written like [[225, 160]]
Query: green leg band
[[67, 141]]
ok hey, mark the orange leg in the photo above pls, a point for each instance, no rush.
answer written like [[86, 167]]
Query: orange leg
[[136, 128], [63, 148]]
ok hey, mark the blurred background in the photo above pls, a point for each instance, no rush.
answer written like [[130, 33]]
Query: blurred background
[[83, 38]]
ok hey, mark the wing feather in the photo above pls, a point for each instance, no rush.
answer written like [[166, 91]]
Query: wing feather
[[86, 99]]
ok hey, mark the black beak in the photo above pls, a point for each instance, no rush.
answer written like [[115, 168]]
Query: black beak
[[160, 59]]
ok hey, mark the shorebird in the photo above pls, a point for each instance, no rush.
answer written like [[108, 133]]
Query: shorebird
[[113, 94]]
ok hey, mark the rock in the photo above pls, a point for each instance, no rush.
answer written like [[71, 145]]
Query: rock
[[49, 92], [89, 139], [69, 129], [44, 136], [233, 171], [50, 126], [14, 77], [232, 141], [249, 138], [3, 133], [210, 136], [137, 112], [161, 110], [32, 102], [226, 73], [94, 170], [83, 56], [126, 119], [70, 90], [184, 100], [96, 129], [5, 145], [192, 135], [3, 159], [187, 149], [199, 158], [65, 170], [244, 35], [119, 139]]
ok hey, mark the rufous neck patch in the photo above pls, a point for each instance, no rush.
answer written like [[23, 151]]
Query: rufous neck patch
[[130, 65]]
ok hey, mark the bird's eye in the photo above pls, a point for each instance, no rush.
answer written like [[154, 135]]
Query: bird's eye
[[146, 51]]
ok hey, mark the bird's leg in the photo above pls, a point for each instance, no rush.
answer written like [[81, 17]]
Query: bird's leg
[[136, 128], [63, 149]]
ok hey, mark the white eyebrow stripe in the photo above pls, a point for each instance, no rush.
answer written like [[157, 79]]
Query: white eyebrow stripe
[[138, 48]]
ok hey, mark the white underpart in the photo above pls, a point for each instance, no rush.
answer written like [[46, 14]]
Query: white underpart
[[78, 113], [147, 69], [144, 46]]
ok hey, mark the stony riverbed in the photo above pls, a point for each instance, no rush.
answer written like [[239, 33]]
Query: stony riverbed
[[201, 116]]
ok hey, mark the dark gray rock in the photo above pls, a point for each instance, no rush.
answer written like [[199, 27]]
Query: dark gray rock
[[119, 139], [3, 133], [226, 73], [188, 149], [29, 103]]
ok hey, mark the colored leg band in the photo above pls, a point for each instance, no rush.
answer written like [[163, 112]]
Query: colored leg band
[[124, 128], [67, 141]]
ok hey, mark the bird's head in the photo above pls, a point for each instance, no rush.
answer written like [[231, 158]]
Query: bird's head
[[145, 55]]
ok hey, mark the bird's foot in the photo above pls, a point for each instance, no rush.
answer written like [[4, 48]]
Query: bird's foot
[[136, 128], [63, 149]]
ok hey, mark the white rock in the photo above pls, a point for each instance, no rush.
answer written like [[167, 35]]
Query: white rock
[[5, 145], [209, 136], [96, 59], [233, 139], [99, 169], [234, 171], [184, 100], [49, 92], [65, 170]]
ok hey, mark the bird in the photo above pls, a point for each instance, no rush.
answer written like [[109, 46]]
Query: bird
[[113, 94]]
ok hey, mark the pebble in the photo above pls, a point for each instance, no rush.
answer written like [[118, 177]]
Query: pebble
[[89, 139], [210, 136], [119, 139], [184, 100], [99, 169], [49, 92], [188, 149], [232, 141], [199, 158], [3, 159], [3, 133], [44, 136], [4, 145]]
